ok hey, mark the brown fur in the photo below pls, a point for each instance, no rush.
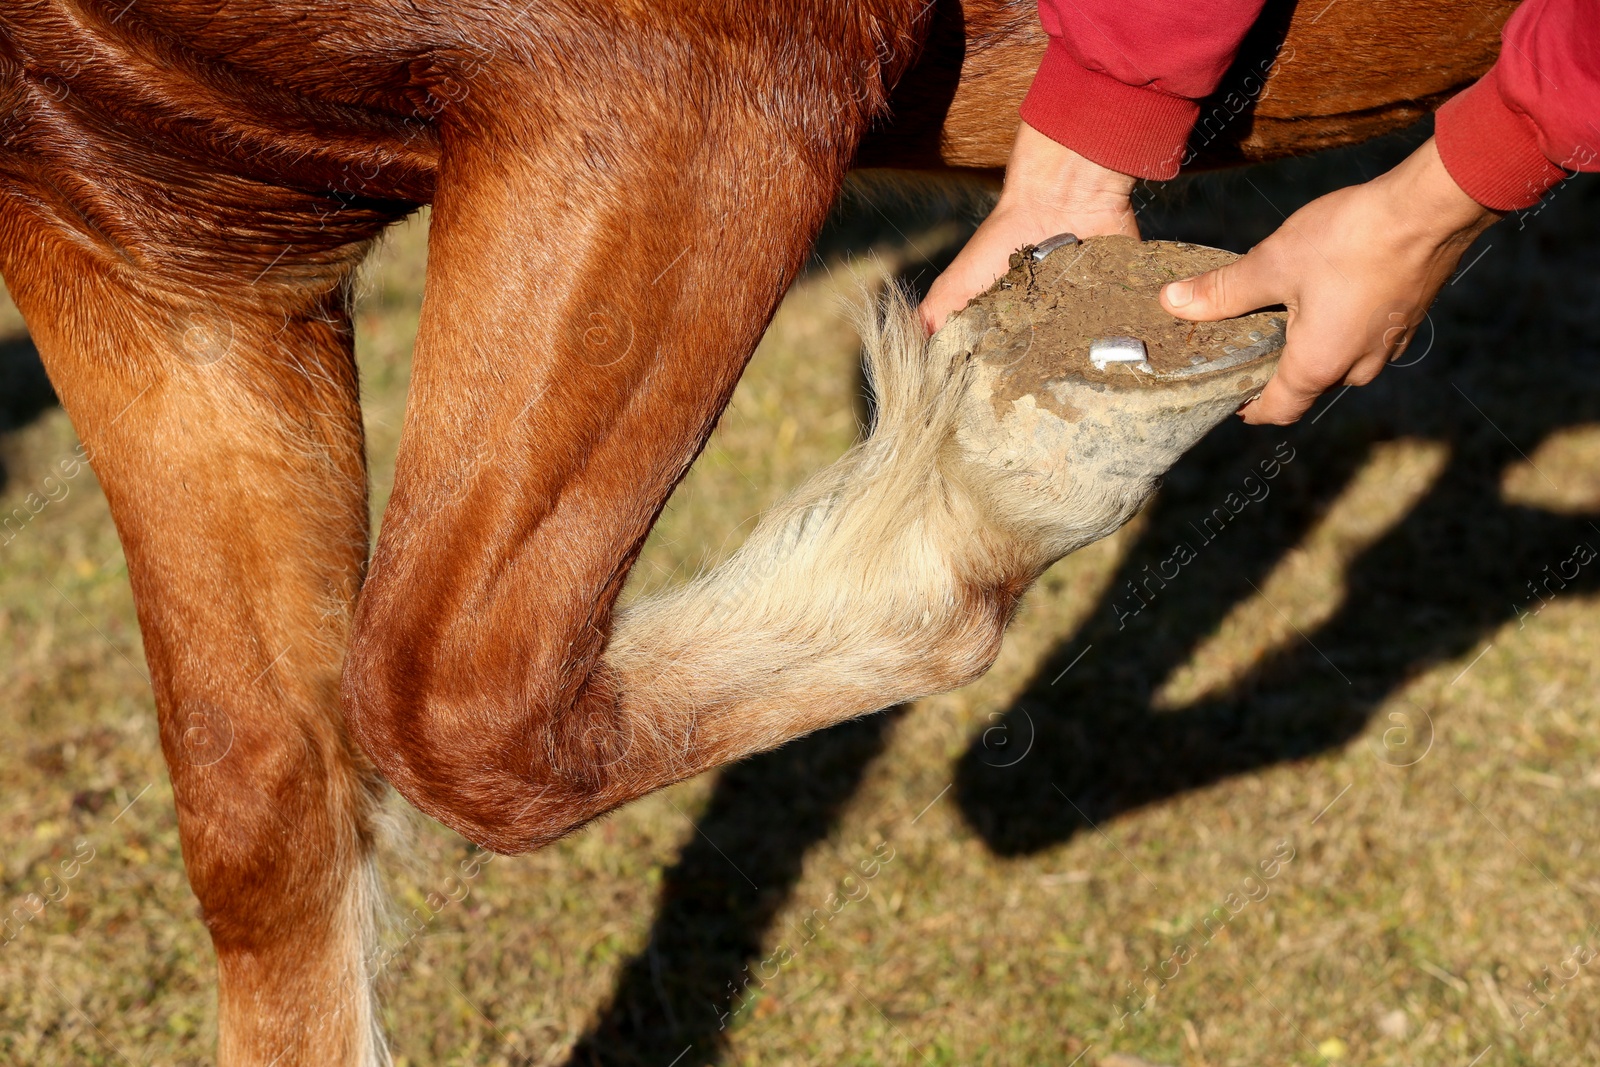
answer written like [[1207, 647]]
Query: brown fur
[[621, 195]]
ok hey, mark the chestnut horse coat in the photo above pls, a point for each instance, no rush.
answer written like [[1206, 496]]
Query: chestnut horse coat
[[621, 193]]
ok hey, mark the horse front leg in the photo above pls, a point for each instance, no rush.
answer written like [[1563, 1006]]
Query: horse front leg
[[225, 431]]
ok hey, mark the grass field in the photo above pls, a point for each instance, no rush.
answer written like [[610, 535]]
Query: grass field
[[1329, 797]]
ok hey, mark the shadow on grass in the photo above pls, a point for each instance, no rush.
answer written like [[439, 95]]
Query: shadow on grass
[[1514, 360], [718, 901], [25, 391], [1431, 590], [1428, 590]]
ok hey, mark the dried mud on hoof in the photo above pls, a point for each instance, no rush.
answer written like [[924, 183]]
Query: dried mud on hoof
[[1068, 446], [1045, 315]]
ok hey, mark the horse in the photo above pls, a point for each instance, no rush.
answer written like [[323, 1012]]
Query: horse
[[621, 194]]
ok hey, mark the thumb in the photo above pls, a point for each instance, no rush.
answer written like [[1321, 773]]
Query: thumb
[[1242, 286]]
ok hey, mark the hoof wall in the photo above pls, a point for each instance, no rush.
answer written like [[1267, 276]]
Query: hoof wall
[[1082, 390]]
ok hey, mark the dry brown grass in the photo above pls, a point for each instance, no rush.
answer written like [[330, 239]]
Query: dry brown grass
[[1339, 673]]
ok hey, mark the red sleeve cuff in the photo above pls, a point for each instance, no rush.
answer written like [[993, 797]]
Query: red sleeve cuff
[[1491, 151], [1131, 129]]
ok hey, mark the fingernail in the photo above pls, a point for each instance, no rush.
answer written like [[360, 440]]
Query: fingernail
[[1180, 293]]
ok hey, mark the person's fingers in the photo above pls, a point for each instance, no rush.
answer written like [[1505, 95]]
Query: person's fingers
[[985, 256], [1287, 396], [1366, 369], [973, 271], [962, 278], [1244, 285], [1018, 221], [1316, 357], [936, 306]]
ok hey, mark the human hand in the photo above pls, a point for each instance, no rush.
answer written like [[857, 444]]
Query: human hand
[[1357, 270], [1049, 189]]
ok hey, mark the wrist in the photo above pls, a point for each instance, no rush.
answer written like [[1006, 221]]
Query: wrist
[[1428, 205], [1045, 175]]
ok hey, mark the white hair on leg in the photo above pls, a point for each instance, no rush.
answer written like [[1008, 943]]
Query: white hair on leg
[[863, 588], [893, 572]]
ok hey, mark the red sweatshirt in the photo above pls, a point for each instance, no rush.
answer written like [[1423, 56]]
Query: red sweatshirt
[[1120, 84]]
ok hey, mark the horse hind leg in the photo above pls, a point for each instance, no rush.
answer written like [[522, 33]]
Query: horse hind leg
[[227, 437], [488, 676], [893, 573]]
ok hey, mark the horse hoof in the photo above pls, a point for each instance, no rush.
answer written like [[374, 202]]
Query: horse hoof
[[1082, 391]]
